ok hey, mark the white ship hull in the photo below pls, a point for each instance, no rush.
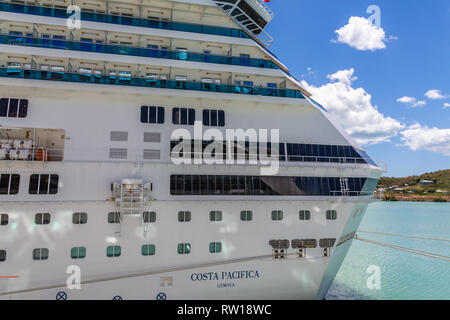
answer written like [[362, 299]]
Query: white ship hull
[[83, 100]]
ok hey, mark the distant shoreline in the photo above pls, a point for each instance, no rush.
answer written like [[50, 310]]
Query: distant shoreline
[[416, 197]]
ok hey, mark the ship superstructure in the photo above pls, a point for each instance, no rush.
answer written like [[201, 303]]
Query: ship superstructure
[[89, 186]]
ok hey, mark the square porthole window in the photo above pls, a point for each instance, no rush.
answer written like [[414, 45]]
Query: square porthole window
[[304, 215], [79, 218], [114, 217], [331, 214], [215, 216], [4, 219], [40, 254], [215, 247], [42, 218], [184, 248], [113, 251], [277, 215], [149, 216], [2, 255], [148, 249], [184, 216], [246, 215], [78, 253]]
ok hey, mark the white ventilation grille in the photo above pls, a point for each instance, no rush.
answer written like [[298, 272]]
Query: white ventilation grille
[[152, 137], [119, 136], [118, 153], [152, 154]]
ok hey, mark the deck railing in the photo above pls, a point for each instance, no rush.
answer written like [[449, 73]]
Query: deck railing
[[96, 47], [124, 20], [123, 80]]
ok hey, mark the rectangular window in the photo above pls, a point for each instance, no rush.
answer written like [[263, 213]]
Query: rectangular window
[[183, 116], [148, 249], [4, 218], [13, 108], [2, 255], [42, 218], [263, 185], [9, 183], [113, 251], [43, 184], [277, 215], [214, 118], [149, 217], [79, 218], [184, 216], [215, 216], [78, 253], [184, 248], [246, 215], [40, 254], [304, 215], [152, 114], [331, 215], [114, 217], [215, 247]]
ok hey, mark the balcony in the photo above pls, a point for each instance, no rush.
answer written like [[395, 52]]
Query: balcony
[[124, 20], [31, 144], [33, 74], [63, 44]]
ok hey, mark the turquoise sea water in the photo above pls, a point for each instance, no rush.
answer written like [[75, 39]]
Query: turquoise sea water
[[403, 275]]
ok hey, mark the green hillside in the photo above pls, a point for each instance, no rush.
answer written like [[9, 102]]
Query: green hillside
[[440, 179]]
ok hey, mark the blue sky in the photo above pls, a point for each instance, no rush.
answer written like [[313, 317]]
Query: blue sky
[[416, 59]]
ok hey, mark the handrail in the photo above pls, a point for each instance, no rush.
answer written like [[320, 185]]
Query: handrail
[[34, 154], [123, 80], [286, 158], [123, 20], [63, 44]]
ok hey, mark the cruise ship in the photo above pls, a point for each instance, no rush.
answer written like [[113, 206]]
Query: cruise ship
[[158, 150]]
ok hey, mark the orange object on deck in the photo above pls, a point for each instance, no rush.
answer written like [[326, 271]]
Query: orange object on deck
[[42, 155]]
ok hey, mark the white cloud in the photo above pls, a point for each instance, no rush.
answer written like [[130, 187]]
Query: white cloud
[[406, 99], [432, 139], [361, 34], [353, 109], [446, 105], [420, 103], [435, 94], [412, 101]]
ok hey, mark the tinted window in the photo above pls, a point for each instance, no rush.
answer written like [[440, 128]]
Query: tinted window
[[4, 219], [4, 107], [23, 108], [79, 218], [13, 108], [9, 183], [152, 114]]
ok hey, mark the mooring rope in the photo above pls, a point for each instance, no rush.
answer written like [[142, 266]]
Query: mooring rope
[[404, 235], [410, 250]]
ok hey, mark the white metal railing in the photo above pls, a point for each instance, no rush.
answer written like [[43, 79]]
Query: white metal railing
[[266, 8], [38, 154], [263, 36]]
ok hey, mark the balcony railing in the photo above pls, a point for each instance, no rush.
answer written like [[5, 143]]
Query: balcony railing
[[124, 20], [133, 51], [15, 72], [34, 154]]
